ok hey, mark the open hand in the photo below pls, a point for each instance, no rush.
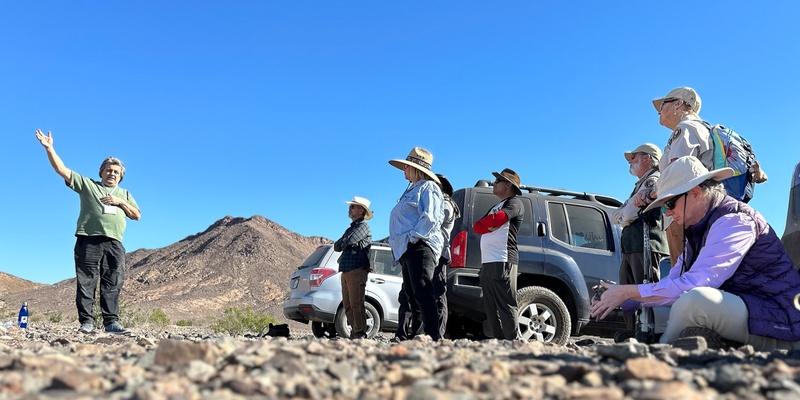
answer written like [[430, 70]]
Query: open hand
[[45, 140]]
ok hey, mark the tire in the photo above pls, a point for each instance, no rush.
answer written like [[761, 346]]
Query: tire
[[542, 316], [373, 322], [323, 330]]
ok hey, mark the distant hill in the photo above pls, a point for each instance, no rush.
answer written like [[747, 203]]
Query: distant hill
[[236, 262]]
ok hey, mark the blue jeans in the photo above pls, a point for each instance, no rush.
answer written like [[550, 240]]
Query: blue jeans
[[98, 258]]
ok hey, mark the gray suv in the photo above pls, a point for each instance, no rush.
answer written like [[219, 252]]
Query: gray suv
[[316, 293], [567, 244]]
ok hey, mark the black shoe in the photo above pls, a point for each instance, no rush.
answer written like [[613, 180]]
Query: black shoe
[[623, 335]]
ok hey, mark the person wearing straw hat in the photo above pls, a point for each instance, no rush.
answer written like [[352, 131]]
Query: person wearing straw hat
[[499, 256], [734, 280], [415, 236], [643, 163], [354, 265]]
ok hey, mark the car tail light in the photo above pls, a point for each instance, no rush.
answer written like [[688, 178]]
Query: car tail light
[[318, 275], [458, 251]]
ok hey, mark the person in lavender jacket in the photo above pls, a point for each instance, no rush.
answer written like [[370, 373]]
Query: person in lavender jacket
[[734, 280]]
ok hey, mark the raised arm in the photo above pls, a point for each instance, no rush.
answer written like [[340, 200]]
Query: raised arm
[[55, 160]]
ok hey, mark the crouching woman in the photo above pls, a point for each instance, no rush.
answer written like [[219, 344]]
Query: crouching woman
[[734, 280]]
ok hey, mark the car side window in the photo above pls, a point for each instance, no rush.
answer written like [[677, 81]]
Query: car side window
[[383, 263], [578, 226], [558, 222], [588, 228]]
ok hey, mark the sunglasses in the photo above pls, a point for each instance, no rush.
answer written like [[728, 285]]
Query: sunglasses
[[670, 204], [668, 101]]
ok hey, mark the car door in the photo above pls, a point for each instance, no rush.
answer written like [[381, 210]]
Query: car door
[[584, 234], [384, 282]]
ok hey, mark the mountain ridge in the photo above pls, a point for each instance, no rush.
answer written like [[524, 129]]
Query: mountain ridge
[[235, 262]]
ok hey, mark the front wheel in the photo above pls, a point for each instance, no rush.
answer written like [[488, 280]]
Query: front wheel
[[373, 322], [542, 316]]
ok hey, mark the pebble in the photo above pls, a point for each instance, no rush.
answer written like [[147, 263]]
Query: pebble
[[58, 362]]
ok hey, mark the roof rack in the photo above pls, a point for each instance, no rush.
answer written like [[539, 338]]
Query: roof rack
[[597, 198]]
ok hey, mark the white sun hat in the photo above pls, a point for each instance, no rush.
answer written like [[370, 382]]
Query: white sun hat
[[681, 176]]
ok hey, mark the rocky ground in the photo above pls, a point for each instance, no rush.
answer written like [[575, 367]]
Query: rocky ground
[[57, 362]]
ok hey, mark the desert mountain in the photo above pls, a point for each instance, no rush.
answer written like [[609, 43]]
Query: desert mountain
[[236, 262]]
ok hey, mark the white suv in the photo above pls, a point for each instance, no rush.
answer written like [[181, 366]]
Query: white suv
[[316, 293]]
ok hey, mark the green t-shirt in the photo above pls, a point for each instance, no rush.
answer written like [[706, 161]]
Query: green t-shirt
[[92, 221]]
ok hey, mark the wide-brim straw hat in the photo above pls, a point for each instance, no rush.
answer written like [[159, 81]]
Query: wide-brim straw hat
[[681, 176], [420, 159], [360, 201], [510, 176]]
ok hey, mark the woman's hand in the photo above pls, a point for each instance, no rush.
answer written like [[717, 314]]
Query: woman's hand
[[612, 298]]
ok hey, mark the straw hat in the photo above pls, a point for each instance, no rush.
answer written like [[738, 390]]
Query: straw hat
[[510, 176], [360, 201], [420, 159], [681, 176]]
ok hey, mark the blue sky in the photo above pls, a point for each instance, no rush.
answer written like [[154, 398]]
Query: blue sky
[[288, 109]]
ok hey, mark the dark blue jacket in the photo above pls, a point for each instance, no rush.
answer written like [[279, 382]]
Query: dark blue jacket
[[765, 280]]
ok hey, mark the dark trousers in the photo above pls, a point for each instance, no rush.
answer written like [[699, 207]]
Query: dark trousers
[[418, 294], [499, 284], [409, 323], [631, 272], [354, 285], [440, 290], [98, 258]]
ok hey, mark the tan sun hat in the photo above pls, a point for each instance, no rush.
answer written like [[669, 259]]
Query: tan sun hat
[[360, 201], [681, 176], [420, 159], [687, 94], [647, 148], [510, 176]]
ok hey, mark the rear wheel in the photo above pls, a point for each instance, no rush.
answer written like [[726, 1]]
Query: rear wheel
[[542, 316], [373, 322], [323, 330]]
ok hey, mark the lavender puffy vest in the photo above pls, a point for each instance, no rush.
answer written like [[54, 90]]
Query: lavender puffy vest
[[766, 280]]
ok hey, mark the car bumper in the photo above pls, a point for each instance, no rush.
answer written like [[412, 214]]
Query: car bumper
[[314, 306]]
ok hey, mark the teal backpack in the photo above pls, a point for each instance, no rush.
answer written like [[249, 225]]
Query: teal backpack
[[733, 151]]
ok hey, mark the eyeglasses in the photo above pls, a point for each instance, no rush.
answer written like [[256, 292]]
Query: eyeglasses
[[670, 204], [500, 181], [668, 101]]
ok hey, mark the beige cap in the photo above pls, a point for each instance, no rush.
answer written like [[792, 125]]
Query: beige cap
[[687, 94], [647, 148]]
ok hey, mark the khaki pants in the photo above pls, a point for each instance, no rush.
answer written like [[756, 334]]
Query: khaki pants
[[354, 285], [675, 242], [722, 312]]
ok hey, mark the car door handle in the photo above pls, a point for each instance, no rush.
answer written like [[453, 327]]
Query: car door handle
[[377, 280]]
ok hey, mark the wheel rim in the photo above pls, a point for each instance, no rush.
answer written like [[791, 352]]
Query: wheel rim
[[537, 322], [370, 324]]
